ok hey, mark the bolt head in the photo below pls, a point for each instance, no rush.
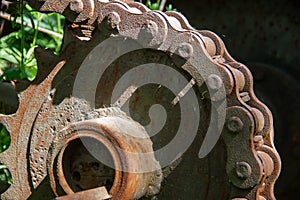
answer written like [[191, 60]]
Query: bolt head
[[76, 6], [235, 124], [214, 82], [185, 50], [152, 28], [149, 33], [113, 20], [243, 170]]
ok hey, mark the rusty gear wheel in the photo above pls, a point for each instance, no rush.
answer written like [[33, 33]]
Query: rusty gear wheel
[[60, 134]]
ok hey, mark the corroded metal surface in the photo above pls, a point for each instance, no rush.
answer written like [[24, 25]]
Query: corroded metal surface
[[98, 193], [244, 163], [265, 36], [105, 134]]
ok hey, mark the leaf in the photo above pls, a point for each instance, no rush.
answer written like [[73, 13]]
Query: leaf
[[31, 20], [3, 167], [155, 6], [6, 54], [3, 178], [31, 72], [10, 45], [12, 73], [16, 54], [30, 52], [16, 51], [148, 3]]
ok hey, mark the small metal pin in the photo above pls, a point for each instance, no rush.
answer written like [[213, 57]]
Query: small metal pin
[[125, 96], [184, 91]]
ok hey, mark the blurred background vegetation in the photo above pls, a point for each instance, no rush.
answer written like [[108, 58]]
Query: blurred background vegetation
[[28, 29]]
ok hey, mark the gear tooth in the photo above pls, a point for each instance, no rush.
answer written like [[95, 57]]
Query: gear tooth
[[6, 160], [7, 122], [3, 118], [9, 193], [54, 7], [15, 191]]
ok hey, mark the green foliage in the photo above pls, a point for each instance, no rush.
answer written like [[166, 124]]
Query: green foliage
[[153, 6], [5, 176], [4, 138], [17, 59], [156, 5], [170, 8]]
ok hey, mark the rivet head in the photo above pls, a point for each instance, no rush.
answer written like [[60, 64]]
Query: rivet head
[[243, 170], [76, 6], [152, 28], [113, 20], [185, 50], [214, 82], [149, 33], [235, 124]]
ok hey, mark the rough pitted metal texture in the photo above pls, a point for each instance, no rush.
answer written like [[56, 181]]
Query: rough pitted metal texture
[[48, 108]]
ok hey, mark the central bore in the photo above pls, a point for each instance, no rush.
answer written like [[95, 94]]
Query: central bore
[[82, 170]]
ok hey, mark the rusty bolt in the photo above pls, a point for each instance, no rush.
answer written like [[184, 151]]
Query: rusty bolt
[[152, 28], [113, 20], [149, 32], [185, 50], [235, 124], [243, 170], [214, 82], [76, 6]]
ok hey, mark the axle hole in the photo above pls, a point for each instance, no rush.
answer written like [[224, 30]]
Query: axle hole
[[82, 170]]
